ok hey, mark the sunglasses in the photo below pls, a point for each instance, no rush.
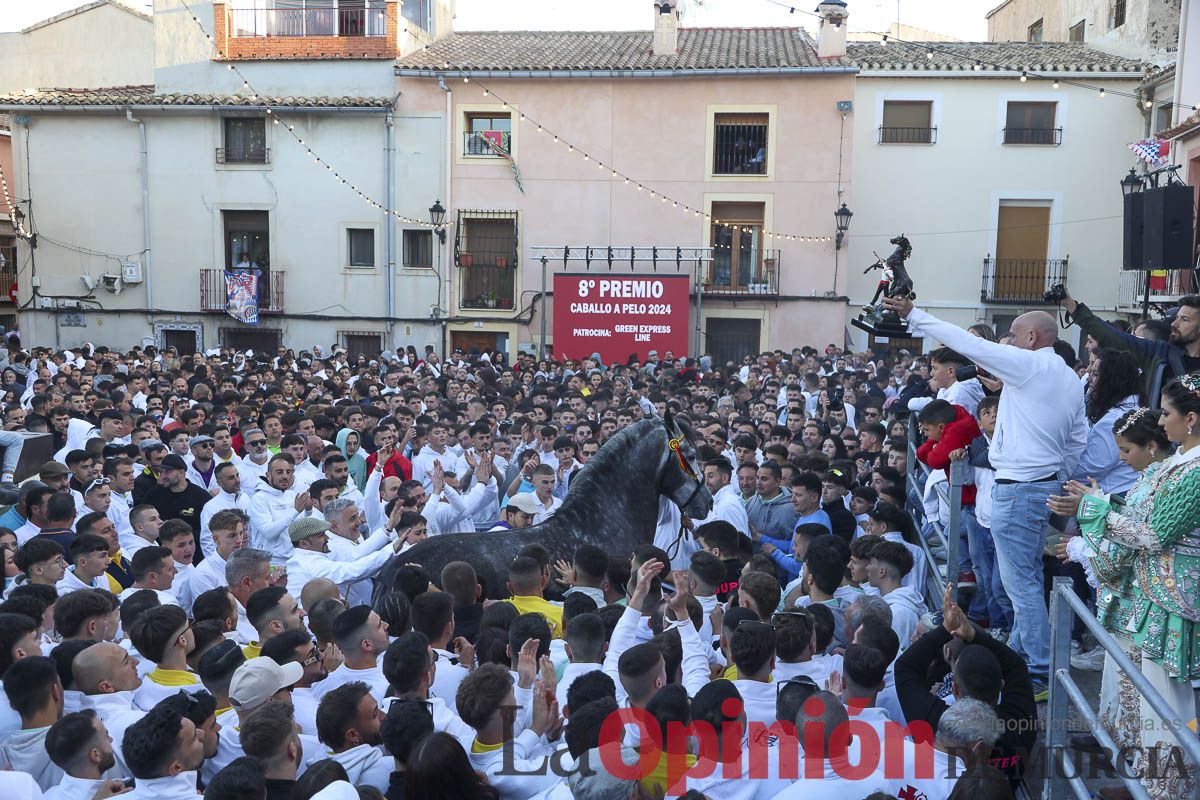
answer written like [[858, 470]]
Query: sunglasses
[[784, 617], [802, 682], [95, 484], [257, 443]]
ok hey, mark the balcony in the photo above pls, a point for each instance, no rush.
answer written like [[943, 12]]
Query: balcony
[[1020, 281], [243, 155], [742, 274], [486, 286], [1042, 136], [1165, 289], [8, 280], [249, 20], [213, 296], [486, 143], [892, 135]]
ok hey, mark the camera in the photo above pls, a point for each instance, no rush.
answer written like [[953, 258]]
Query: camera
[[966, 373], [1057, 294]]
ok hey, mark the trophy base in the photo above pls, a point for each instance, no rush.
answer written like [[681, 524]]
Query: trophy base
[[884, 328]]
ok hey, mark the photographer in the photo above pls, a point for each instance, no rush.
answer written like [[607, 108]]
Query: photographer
[[1159, 361], [1040, 434], [945, 368]]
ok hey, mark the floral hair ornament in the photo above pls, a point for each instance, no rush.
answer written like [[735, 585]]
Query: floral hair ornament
[[1134, 418], [1192, 382]]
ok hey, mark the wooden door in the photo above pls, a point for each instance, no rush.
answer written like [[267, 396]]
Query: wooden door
[[483, 341], [1022, 244]]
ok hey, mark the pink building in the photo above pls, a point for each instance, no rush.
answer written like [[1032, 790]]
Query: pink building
[[8, 239], [736, 137]]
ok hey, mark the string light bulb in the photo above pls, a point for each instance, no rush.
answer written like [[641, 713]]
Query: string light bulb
[[1102, 93], [1055, 84], [1024, 77]]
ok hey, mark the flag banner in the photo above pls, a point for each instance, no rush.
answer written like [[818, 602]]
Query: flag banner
[[1153, 151], [241, 296], [1158, 280], [495, 142]]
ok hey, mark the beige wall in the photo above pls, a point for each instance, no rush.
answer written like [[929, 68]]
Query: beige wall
[[655, 130], [1150, 29], [101, 47]]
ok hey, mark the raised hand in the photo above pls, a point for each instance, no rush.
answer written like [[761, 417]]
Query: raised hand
[[527, 663], [566, 572]]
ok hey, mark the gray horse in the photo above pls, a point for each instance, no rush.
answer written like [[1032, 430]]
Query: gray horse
[[612, 503]]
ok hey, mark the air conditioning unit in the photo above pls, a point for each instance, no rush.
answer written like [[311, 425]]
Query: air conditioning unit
[[131, 272]]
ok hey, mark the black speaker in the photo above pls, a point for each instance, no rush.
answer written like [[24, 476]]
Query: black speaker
[[1167, 228], [1131, 251]]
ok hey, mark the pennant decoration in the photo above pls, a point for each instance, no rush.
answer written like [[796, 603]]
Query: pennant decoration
[[495, 142], [1158, 280], [1153, 151], [241, 296]]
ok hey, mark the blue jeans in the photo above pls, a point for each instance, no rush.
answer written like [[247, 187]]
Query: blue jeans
[[999, 608], [1019, 516]]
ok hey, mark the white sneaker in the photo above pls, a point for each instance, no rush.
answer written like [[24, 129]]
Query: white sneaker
[[1091, 661]]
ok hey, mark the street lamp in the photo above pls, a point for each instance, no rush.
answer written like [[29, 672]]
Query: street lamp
[[1131, 183], [842, 215], [437, 215]]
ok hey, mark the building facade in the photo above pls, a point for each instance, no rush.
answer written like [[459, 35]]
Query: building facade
[[735, 137], [1004, 187], [267, 144], [1141, 29]]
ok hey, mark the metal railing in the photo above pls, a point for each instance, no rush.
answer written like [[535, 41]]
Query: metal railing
[[1131, 286], [1048, 136], [894, 135], [8, 279], [1021, 281], [758, 276], [1065, 692], [248, 20], [740, 148], [483, 143], [487, 287], [213, 296], [243, 155], [950, 493]]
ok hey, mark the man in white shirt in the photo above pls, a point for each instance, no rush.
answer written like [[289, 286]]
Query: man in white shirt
[[153, 568], [310, 556], [409, 666], [144, 525], [1041, 432], [274, 506], [436, 449], [229, 481], [727, 504], [228, 530], [120, 473], [107, 675], [543, 491], [362, 637], [254, 466], [346, 543]]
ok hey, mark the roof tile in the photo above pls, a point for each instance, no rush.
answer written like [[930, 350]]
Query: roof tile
[[995, 56], [699, 49], [146, 96]]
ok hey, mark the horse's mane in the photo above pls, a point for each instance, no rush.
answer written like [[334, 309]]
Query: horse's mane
[[607, 461]]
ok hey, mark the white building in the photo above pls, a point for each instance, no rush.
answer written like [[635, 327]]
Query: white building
[[149, 193], [1003, 187]]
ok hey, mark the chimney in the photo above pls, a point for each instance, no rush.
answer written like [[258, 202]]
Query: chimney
[[666, 28], [831, 36]]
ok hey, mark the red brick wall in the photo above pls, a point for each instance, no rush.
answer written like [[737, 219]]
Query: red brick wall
[[307, 47]]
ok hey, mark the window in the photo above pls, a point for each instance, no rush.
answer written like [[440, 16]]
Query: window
[[1035, 31], [361, 343], [245, 141], [184, 341], [740, 144], [419, 13], [1022, 271], [1118, 14], [1162, 119], [907, 122], [740, 265], [248, 248], [8, 259], [1031, 123], [487, 132], [418, 249], [361, 246], [1077, 32], [486, 250]]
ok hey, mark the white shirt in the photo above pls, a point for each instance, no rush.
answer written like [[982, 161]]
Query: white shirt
[[223, 501], [71, 582], [447, 678], [915, 579], [26, 532], [960, 393], [304, 565], [422, 464], [70, 788], [271, 511], [727, 506], [118, 512], [357, 593], [252, 473], [573, 671], [178, 787], [372, 677], [1034, 438], [210, 574]]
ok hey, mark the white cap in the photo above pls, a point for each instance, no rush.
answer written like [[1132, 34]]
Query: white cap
[[525, 501], [257, 680]]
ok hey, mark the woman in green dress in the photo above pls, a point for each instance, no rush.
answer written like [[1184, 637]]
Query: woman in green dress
[[1157, 611]]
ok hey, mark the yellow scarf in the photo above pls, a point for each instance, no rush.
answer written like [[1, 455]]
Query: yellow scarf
[[479, 747], [252, 650], [114, 585], [172, 677]]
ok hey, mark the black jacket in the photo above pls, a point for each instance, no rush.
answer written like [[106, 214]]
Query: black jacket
[[1016, 709], [841, 519]]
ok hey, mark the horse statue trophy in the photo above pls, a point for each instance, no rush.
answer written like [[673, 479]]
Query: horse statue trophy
[[612, 503], [895, 282]]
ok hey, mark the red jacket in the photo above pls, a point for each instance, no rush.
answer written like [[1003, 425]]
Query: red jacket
[[955, 436], [396, 467]]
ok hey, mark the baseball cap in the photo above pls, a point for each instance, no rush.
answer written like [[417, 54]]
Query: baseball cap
[[53, 469], [172, 461], [524, 501], [201, 439], [304, 527], [256, 681]]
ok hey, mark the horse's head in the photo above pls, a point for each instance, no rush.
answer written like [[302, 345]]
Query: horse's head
[[681, 479], [902, 243]]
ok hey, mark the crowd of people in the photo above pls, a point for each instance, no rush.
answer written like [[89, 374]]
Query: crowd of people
[[195, 601]]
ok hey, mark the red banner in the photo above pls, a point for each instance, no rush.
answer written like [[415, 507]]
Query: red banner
[[620, 315]]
